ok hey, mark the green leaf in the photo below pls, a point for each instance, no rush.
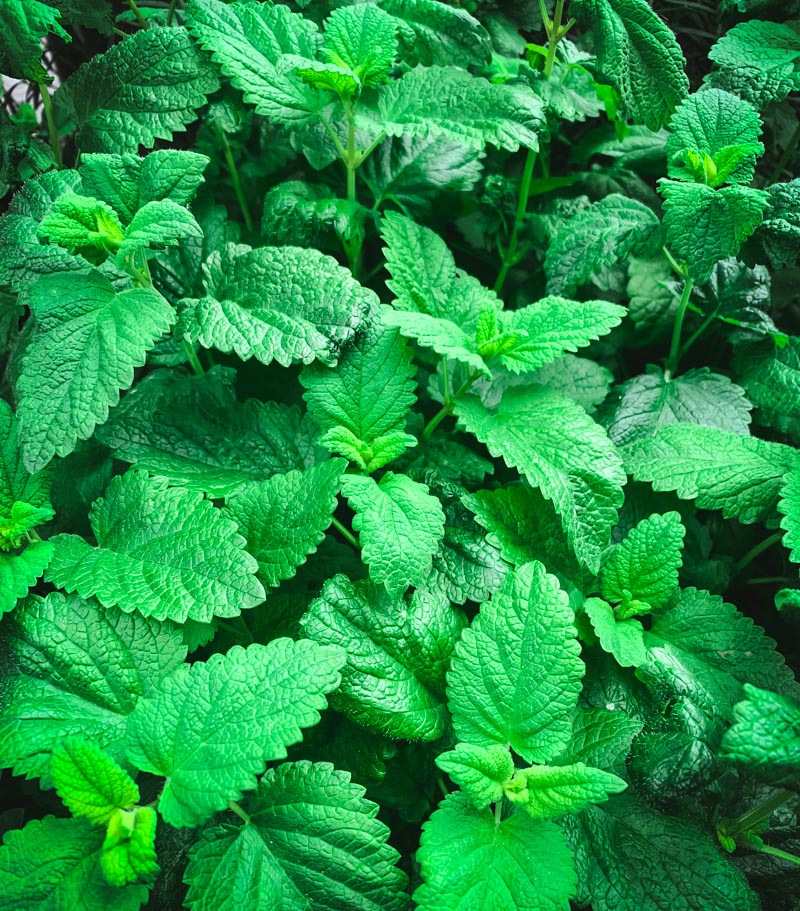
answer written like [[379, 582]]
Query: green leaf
[[770, 375], [555, 326], [578, 378], [740, 297], [704, 226], [433, 33], [129, 851], [480, 772], [86, 343], [311, 838], [550, 792], [640, 55], [638, 408], [765, 737], [620, 637], [149, 541], [327, 76], [277, 303], [441, 335], [89, 782], [778, 235], [363, 40], [740, 475], [369, 395], [644, 567], [758, 60], [400, 525], [284, 518], [450, 103], [23, 24], [157, 223], [630, 857], [56, 863], [192, 430], [247, 41], [515, 674], [601, 738], [708, 123], [82, 225], [74, 669], [20, 571], [560, 450], [144, 88], [17, 485], [469, 860], [259, 698], [789, 507], [601, 234], [397, 655]]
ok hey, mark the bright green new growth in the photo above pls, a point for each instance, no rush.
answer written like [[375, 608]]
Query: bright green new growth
[[129, 851], [24, 23], [361, 39], [83, 225], [480, 772], [550, 792], [623, 638]]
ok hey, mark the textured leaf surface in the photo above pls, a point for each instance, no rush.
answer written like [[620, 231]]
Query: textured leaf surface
[[129, 853], [17, 485], [441, 335], [149, 539], [480, 772], [397, 655], [87, 341], [551, 792], [601, 738], [84, 225], [143, 89], [559, 449], [431, 32], [779, 232], [24, 24], [74, 668], [789, 507], [19, 572], [400, 525], [160, 222], [469, 861], [770, 374], [624, 639], [515, 674], [362, 39], [210, 727], [312, 841]]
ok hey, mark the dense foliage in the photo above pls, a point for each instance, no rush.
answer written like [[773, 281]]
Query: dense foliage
[[397, 399]]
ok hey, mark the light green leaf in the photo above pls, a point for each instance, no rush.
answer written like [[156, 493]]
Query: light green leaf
[[480, 772], [326, 76], [515, 674], [361, 39], [599, 235], [560, 450], [129, 850], [578, 378], [82, 225], [397, 655], [601, 738], [644, 567], [441, 335], [75, 669], [470, 861], [55, 863], [158, 223], [622, 638], [149, 541], [259, 698], [550, 792], [312, 838], [369, 395], [20, 571], [789, 507], [86, 343], [284, 518], [144, 88], [400, 525], [23, 25], [284, 304], [89, 782], [740, 475], [17, 485]]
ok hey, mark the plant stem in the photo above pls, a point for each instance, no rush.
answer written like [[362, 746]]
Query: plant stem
[[345, 532], [674, 349], [235, 808], [351, 161], [509, 257], [447, 408], [191, 356], [171, 11], [784, 159], [554, 35], [52, 129], [776, 852], [138, 13], [498, 812], [769, 580], [698, 332], [761, 812], [235, 180], [755, 552], [673, 262]]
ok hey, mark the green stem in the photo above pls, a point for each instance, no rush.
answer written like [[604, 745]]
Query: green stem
[[674, 349], [755, 552], [510, 255], [33, 535], [138, 13], [235, 808], [191, 356], [498, 812], [761, 812], [697, 333], [52, 129], [784, 159], [235, 179], [770, 580], [554, 35], [171, 12], [776, 852], [673, 262], [345, 532], [363, 156], [351, 156], [447, 408]]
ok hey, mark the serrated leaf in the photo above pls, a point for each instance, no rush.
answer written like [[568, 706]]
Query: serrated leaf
[[480, 772], [640, 55], [24, 23], [312, 837], [551, 792], [20, 571], [601, 738], [160, 222], [397, 655], [258, 698], [770, 375], [469, 860], [326, 76], [599, 235], [89, 782], [284, 518], [740, 475], [145, 88], [441, 335], [560, 450], [578, 378], [17, 485], [129, 851], [149, 541], [82, 225], [363, 40], [75, 669], [789, 507], [55, 863], [369, 394], [622, 638], [779, 232], [515, 675], [400, 525], [86, 343], [641, 406], [284, 304]]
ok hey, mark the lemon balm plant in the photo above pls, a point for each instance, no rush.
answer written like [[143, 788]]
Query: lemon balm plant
[[398, 456]]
